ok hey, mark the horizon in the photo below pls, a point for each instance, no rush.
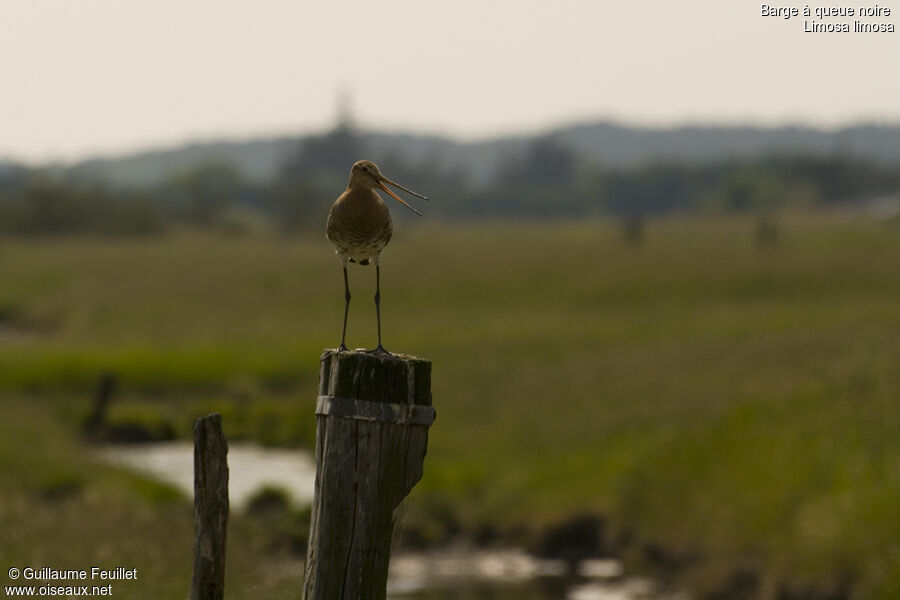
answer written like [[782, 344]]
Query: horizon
[[164, 146]]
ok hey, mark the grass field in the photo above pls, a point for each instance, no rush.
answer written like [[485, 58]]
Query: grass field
[[735, 406]]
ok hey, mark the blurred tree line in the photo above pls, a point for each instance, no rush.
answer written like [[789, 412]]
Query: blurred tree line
[[32, 203], [546, 179]]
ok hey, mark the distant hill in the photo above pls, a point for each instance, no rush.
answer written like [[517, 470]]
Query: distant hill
[[609, 144], [256, 159], [619, 146]]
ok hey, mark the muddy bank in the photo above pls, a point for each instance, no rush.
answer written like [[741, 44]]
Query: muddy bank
[[583, 542]]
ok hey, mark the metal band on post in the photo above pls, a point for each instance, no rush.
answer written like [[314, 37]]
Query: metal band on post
[[362, 410]]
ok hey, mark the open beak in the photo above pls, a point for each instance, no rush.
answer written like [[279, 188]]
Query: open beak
[[384, 180]]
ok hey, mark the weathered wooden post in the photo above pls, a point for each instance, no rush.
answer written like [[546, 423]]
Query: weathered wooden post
[[373, 414], [210, 508], [95, 425]]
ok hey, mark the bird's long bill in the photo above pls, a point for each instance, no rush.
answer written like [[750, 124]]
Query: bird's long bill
[[396, 197], [407, 190]]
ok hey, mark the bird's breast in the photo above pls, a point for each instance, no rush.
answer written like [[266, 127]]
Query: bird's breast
[[359, 227]]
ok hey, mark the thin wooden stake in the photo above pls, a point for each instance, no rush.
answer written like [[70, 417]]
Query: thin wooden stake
[[210, 508]]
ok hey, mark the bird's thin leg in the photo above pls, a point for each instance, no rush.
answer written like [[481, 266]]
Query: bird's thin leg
[[343, 345], [380, 348]]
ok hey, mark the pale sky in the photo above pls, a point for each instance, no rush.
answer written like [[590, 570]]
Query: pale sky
[[88, 77]]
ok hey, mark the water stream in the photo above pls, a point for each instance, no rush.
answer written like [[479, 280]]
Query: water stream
[[438, 575], [250, 468]]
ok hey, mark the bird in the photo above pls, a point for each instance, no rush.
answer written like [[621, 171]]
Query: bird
[[359, 226]]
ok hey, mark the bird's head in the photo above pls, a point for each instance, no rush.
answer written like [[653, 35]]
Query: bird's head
[[365, 174]]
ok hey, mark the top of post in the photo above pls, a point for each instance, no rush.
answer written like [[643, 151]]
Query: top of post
[[376, 377]]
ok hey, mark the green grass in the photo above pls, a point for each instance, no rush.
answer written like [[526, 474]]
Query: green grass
[[61, 508], [734, 405]]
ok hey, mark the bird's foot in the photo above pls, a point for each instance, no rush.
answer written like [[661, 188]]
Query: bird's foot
[[379, 350], [342, 348]]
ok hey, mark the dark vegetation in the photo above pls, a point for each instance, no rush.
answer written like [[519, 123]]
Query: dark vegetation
[[559, 175]]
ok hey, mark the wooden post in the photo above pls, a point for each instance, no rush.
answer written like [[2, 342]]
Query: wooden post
[[210, 508], [95, 425], [373, 414]]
